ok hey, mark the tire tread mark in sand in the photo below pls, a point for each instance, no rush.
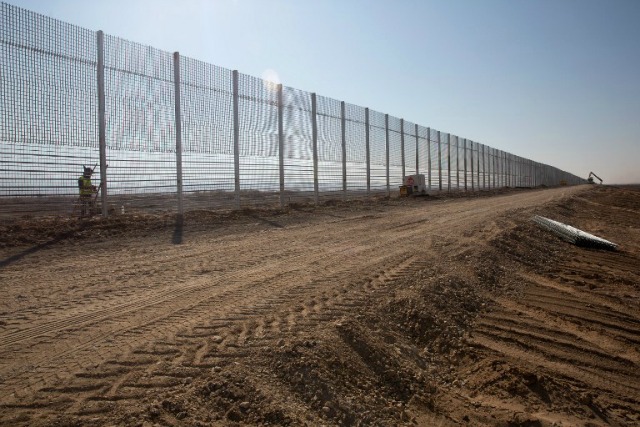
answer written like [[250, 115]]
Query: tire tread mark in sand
[[206, 354]]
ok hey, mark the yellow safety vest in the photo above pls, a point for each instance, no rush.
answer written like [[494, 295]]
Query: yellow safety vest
[[85, 186]]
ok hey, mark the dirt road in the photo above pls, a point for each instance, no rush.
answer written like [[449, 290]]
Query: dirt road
[[136, 329]]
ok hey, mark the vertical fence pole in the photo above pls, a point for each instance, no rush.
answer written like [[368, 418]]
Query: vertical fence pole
[[484, 169], [439, 162], [448, 162], [236, 141], [478, 164], [502, 169], [458, 163], [178, 118], [464, 152], [386, 130], [368, 149], [471, 164], [343, 123], [402, 149], [281, 143], [495, 167], [417, 150], [429, 156], [102, 125], [314, 128]]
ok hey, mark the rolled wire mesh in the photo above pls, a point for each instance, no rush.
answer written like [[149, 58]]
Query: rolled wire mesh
[[574, 235]]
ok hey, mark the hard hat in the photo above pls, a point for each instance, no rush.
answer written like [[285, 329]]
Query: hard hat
[[87, 171]]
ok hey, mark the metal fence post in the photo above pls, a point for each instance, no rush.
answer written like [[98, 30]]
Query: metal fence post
[[464, 152], [429, 156], [458, 162], [449, 162], [495, 168], [236, 140], [439, 162], [178, 118], [471, 164], [368, 149], [484, 169], [386, 128], [344, 149], [314, 128], [102, 125], [478, 164], [281, 143], [402, 149], [417, 150]]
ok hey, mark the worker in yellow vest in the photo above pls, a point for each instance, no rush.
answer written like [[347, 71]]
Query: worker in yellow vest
[[87, 190]]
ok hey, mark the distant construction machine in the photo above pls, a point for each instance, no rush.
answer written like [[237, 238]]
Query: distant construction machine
[[591, 176]]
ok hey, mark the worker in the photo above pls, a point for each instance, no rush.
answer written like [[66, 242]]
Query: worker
[[87, 190]]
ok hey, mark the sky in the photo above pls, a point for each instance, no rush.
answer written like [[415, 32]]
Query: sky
[[555, 81]]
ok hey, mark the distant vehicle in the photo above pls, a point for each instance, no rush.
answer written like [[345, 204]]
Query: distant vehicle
[[591, 176]]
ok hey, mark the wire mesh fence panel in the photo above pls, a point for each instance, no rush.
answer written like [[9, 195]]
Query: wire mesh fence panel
[[395, 154], [140, 126], [329, 119], [378, 151], [259, 170], [468, 164], [454, 175], [52, 76], [298, 145], [461, 164], [410, 148], [444, 160], [356, 149], [423, 153], [206, 102], [48, 111]]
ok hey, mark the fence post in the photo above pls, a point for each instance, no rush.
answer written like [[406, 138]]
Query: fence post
[[495, 167], [502, 169], [344, 149], [464, 152], [402, 149], [386, 129], [417, 152], [236, 141], [439, 162], [368, 149], [429, 156], [484, 169], [314, 128], [449, 162], [471, 161], [102, 125], [458, 163], [281, 143], [478, 165], [178, 118]]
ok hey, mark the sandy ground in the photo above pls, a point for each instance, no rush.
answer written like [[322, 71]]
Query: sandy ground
[[428, 311]]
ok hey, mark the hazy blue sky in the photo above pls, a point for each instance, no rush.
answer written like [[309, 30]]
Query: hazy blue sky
[[556, 81]]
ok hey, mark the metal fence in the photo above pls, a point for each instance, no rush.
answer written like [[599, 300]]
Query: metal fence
[[168, 133]]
